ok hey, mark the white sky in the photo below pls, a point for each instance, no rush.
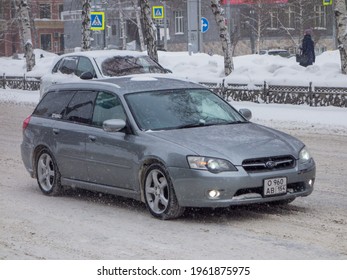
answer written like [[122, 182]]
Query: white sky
[[249, 69]]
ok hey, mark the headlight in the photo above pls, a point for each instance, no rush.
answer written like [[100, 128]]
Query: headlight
[[213, 165], [304, 155]]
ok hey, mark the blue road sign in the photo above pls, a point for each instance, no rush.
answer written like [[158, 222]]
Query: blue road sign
[[97, 21], [158, 12], [204, 25]]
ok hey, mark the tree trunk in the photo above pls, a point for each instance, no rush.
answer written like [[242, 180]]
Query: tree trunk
[[23, 10], [341, 23], [122, 26], [149, 30], [86, 26], [138, 23], [224, 36]]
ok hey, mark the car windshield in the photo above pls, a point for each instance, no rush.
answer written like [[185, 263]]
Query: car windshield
[[179, 109], [127, 65]]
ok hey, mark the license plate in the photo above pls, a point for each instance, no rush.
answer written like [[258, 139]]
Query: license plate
[[275, 186]]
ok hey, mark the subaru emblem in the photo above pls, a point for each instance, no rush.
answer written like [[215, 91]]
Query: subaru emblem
[[270, 164]]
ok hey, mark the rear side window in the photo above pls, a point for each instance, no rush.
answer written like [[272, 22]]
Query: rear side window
[[53, 104], [127, 65], [80, 108]]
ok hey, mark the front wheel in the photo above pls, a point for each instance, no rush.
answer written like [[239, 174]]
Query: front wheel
[[47, 174], [160, 196]]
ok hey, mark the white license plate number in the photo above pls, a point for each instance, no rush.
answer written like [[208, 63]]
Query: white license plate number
[[275, 186]]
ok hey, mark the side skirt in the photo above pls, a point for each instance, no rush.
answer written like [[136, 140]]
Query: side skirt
[[101, 188]]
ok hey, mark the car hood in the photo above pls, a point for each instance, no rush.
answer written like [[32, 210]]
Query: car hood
[[234, 142]]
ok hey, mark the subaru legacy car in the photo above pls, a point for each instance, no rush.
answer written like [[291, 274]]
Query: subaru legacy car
[[169, 143], [99, 64]]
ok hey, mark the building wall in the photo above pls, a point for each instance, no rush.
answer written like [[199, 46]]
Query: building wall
[[239, 27], [48, 32], [52, 27], [9, 36]]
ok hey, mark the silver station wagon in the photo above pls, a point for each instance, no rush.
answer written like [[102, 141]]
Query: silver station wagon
[[169, 143]]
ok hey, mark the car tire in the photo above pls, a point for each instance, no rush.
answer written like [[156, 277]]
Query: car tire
[[47, 174], [159, 193]]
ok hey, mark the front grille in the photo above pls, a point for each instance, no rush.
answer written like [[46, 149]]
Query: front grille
[[268, 163]]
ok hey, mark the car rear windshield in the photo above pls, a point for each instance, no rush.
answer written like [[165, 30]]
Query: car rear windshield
[[127, 65]]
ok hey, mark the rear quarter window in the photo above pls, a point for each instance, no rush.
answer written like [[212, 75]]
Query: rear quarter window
[[53, 104]]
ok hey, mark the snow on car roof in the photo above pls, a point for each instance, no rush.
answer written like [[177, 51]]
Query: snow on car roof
[[132, 83]]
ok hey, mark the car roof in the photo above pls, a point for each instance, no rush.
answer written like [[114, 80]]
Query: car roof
[[103, 53], [128, 84]]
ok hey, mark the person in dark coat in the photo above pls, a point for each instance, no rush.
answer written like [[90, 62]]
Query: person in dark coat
[[307, 49]]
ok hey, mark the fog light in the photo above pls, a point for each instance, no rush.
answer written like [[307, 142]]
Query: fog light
[[213, 193], [310, 183]]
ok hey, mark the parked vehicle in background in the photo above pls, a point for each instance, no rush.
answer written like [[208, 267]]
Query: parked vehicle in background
[[167, 142], [280, 52], [99, 64]]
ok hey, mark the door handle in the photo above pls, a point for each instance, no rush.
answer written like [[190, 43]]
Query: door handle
[[92, 138], [56, 131]]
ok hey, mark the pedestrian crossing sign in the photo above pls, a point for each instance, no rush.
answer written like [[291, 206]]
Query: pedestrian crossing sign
[[158, 12], [97, 21]]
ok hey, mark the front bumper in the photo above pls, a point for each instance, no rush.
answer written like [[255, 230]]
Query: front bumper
[[237, 188]]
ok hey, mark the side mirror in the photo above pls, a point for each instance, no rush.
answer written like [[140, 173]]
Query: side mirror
[[113, 125], [246, 113], [87, 76]]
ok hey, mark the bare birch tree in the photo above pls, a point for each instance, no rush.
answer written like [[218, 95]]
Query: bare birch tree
[[224, 36], [24, 18], [122, 26], [138, 23], [86, 26], [341, 22], [149, 30]]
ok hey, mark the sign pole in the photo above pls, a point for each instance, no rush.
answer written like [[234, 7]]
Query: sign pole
[[200, 26], [165, 27]]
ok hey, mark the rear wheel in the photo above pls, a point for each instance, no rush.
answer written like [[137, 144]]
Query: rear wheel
[[160, 196], [47, 174]]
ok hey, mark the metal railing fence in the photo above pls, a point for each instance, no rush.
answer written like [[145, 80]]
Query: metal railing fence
[[20, 82], [296, 95], [259, 93]]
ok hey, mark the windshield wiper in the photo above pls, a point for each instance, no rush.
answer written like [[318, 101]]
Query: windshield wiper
[[189, 125]]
